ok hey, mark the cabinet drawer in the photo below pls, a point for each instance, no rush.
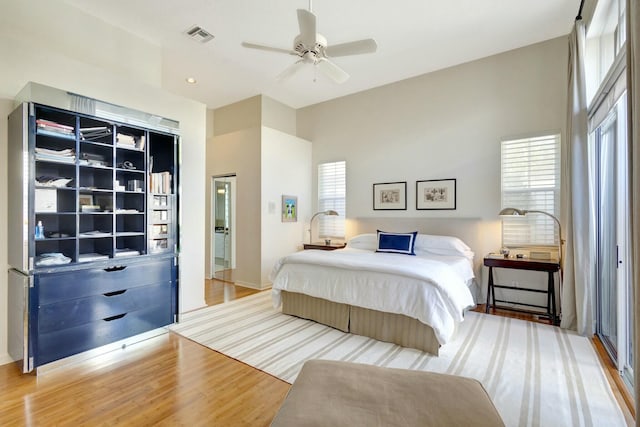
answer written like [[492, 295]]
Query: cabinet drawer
[[54, 287], [65, 342], [66, 314]]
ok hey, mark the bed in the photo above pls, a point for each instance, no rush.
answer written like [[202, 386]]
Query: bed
[[414, 296]]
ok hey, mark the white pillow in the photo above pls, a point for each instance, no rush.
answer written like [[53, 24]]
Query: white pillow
[[442, 245], [364, 241], [438, 245]]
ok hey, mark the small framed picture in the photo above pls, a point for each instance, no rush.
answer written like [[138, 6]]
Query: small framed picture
[[85, 200], [390, 196], [436, 194], [289, 208]]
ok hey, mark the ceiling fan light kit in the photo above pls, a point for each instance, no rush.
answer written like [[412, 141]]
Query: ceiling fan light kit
[[312, 48]]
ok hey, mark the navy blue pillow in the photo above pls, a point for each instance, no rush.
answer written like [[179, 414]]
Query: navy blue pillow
[[397, 243]]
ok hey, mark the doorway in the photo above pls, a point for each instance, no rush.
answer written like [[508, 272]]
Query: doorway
[[223, 200], [614, 312]]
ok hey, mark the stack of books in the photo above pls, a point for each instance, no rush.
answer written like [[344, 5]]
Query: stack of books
[[130, 141], [67, 155], [49, 126]]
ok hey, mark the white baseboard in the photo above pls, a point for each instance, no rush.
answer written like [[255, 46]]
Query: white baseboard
[[5, 359]]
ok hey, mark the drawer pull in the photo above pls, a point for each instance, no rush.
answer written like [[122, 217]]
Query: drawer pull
[[114, 293], [116, 317], [115, 268]]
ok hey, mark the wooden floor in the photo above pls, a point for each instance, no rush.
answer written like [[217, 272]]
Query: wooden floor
[[167, 380]]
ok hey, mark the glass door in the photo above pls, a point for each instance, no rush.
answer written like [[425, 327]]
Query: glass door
[[614, 314], [606, 280]]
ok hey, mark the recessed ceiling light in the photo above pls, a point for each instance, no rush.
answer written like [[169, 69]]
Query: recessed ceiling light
[[191, 80]]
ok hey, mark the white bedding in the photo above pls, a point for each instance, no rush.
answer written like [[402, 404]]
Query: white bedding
[[430, 288]]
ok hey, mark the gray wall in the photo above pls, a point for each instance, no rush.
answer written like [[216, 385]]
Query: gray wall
[[446, 124]]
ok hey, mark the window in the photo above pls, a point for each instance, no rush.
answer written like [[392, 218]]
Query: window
[[531, 181], [332, 195], [606, 37]]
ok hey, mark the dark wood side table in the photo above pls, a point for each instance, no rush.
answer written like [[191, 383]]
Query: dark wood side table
[[550, 267], [323, 247]]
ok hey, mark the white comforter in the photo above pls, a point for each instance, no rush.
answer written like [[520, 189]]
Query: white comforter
[[425, 288]]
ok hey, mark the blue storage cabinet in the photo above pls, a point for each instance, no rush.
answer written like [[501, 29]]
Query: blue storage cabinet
[[75, 311], [106, 192]]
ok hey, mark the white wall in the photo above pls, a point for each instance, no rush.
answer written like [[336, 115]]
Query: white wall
[[252, 139], [446, 124], [6, 106], [286, 170], [238, 153], [57, 45]]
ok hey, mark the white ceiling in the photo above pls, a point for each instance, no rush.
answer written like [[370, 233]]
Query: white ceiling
[[414, 37]]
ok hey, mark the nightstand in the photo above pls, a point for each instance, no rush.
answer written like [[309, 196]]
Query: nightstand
[[550, 267], [323, 247]]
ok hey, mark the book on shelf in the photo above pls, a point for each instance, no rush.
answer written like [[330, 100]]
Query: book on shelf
[[55, 127], [161, 182], [130, 141]]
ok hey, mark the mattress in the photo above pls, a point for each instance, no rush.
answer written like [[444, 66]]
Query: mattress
[[431, 289]]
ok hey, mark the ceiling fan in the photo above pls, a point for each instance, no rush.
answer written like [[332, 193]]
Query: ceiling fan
[[312, 48]]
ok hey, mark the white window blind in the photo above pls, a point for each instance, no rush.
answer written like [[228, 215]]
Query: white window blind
[[531, 181], [332, 189]]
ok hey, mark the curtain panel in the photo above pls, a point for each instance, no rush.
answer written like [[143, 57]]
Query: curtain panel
[[579, 252]]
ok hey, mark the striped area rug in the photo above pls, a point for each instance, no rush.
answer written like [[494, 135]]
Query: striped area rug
[[536, 374]]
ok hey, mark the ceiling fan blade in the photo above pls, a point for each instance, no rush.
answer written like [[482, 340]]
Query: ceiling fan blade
[[290, 70], [352, 48], [269, 48], [332, 71], [307, 23]]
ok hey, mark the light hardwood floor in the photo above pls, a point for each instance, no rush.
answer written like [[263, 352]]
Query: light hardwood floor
[[167, 380]]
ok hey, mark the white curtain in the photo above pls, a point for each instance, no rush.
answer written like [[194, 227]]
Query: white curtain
[[633, 109], [578, 269]]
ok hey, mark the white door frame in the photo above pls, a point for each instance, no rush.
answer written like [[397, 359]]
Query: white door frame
[[231, 179]]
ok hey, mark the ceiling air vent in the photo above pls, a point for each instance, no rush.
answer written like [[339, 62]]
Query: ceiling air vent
[[199, 34]]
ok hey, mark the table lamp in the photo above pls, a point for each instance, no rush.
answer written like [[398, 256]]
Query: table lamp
[[327, 212], [523, 212]]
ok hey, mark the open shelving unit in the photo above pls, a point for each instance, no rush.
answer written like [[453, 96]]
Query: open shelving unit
[[105, 266]]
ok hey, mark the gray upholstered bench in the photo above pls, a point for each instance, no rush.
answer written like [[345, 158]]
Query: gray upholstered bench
[[328, 393]]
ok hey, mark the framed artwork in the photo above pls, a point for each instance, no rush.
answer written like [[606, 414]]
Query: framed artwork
[[85, 200], [289, 208], [390, 196], [436, 194]]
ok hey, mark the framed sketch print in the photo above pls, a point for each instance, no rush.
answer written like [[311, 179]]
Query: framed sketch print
[[289, 208], [390, 196], [436, 194]]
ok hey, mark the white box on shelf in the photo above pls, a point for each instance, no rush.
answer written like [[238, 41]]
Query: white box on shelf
[[46, 200]]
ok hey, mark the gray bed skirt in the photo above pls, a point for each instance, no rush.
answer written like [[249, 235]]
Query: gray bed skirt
[[389, 327]]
